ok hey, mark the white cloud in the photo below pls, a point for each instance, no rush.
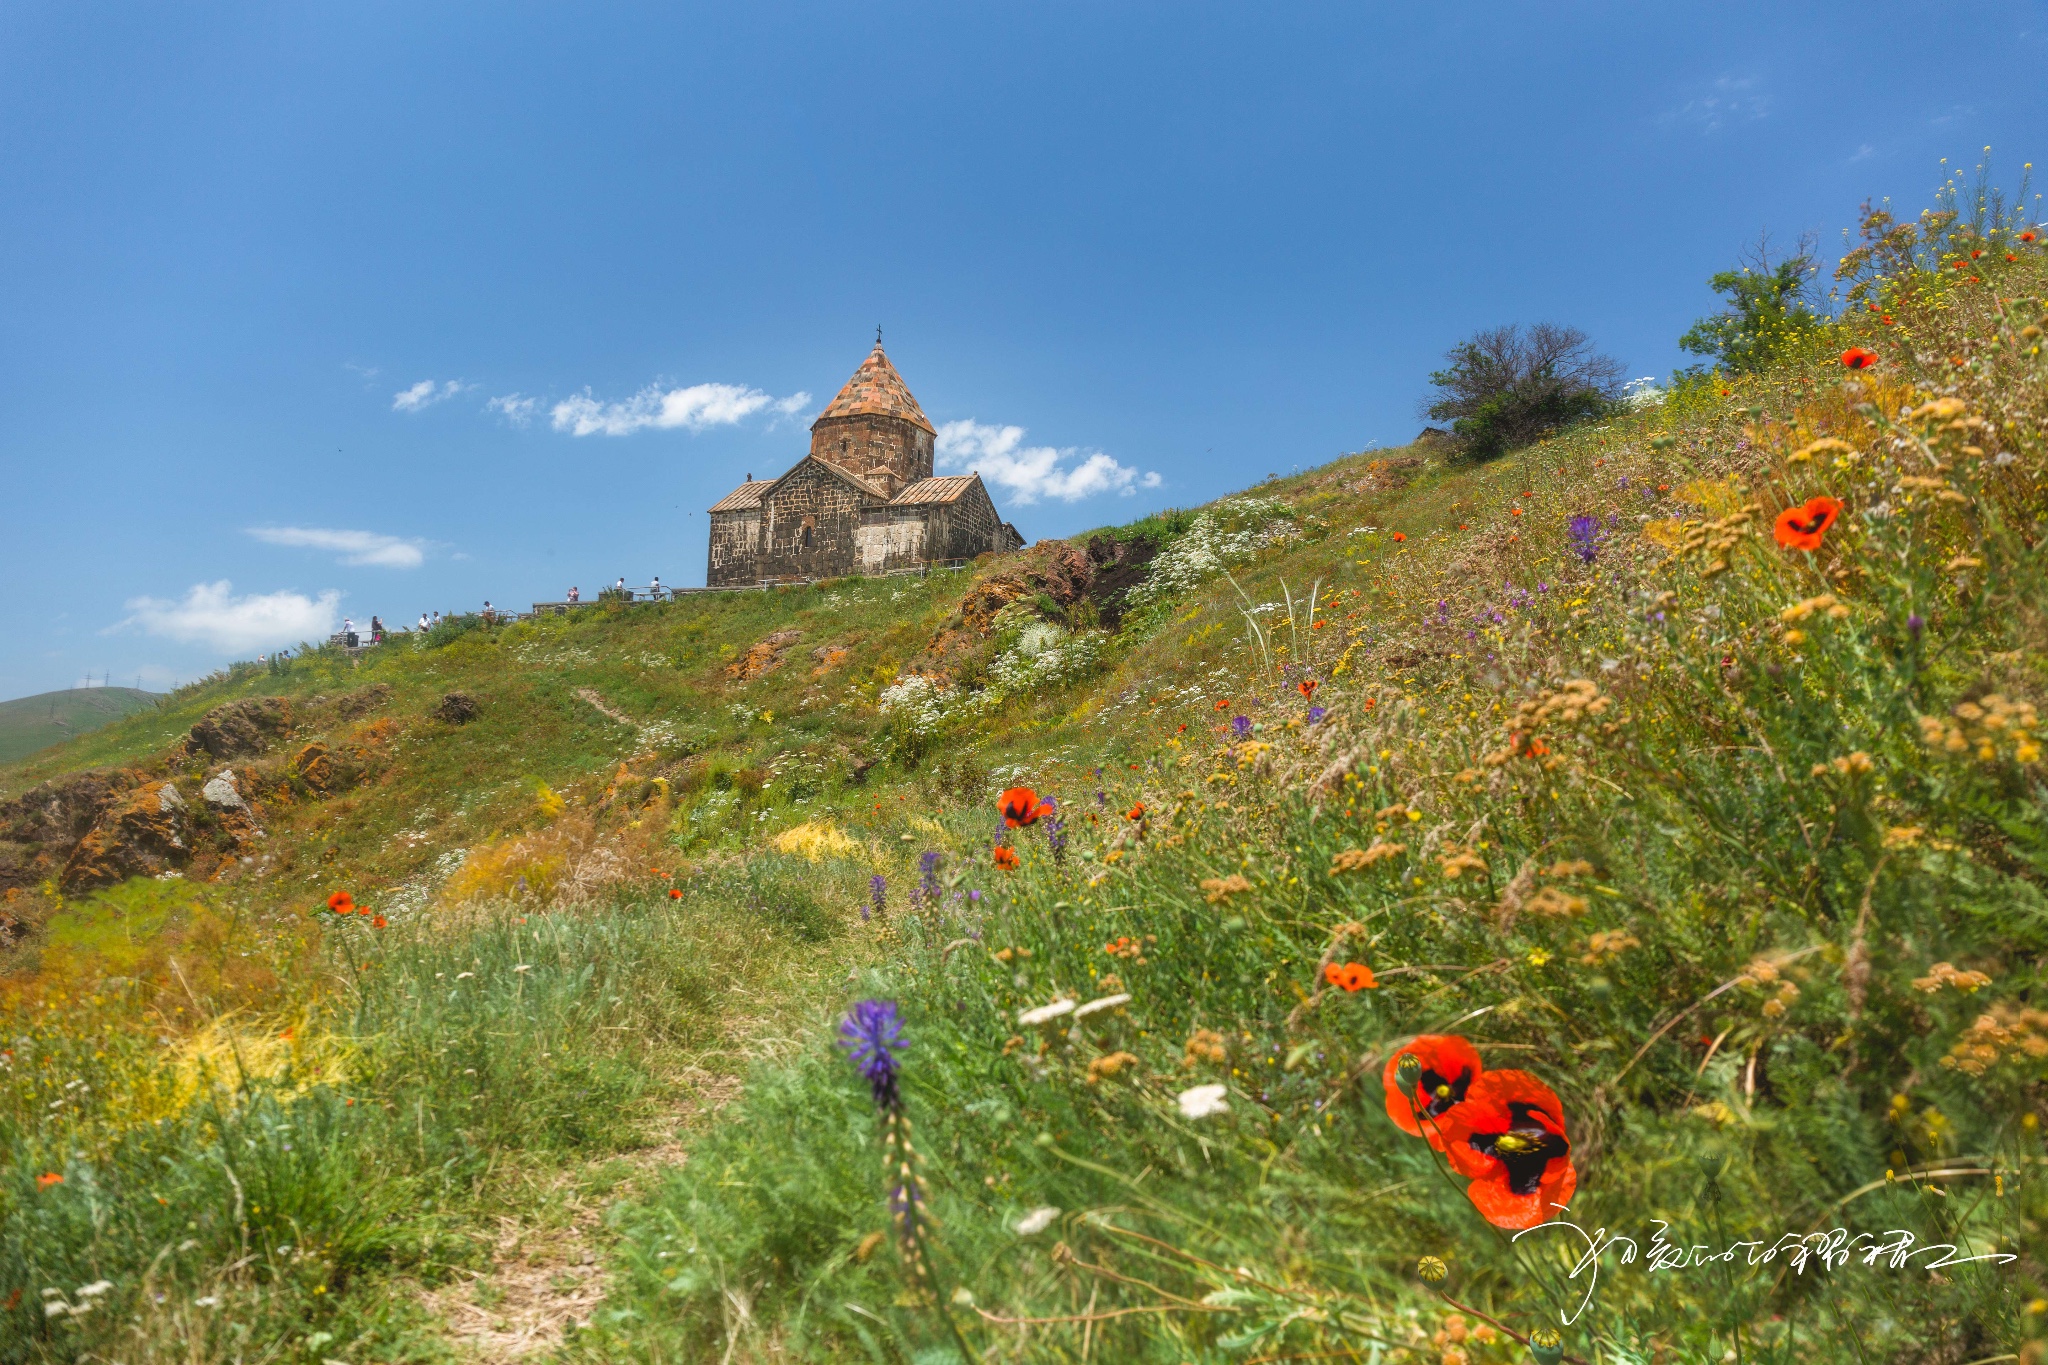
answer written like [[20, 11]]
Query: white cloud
[[210, 614], [516, 408], [695, 408], [1028, 473], [425, 394], [354, 547], [1731, 99]]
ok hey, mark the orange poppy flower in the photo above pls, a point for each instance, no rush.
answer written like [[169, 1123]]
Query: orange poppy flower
[[1006, 858], [2027, 236], [675, 894], [1399, 536], [1857, 358], [1136, 812], [341, 903], [1450, 1065], [1307, 687], [1514, 511], [1801, 528], [1223, 703], [47, 1179], [1020, 806], [378, 922], [1350, 976], [1509, 1137]]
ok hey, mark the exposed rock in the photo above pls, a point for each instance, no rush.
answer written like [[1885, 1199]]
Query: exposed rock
[[827, 658], [762, 657], [219, 792], [40, 828], [167, 796], [457, 708], [351, 705], [1116, 566], [315, 767], [242, 728], [139, 836], [1052, 567]]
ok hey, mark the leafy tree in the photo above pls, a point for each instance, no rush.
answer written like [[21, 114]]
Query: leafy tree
[[1768, 310], [1506, 387]]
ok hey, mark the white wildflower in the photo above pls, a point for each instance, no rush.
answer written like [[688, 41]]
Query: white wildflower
[[1199, 1102], [1036, 1221]]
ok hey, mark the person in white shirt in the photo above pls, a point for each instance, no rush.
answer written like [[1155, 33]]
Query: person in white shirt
[[655, 590], [423, 620]]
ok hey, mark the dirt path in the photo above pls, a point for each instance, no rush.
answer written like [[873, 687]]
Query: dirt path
[[591, 695]]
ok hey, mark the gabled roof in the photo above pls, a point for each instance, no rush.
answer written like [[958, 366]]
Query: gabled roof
[[876, 388], [745, 498], [872, 490], [945, 489]]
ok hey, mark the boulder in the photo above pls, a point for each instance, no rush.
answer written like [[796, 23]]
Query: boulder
[[240, 729], [220, 791], [141, 835]]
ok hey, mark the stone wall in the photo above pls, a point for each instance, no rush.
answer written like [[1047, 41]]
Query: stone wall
[[808, 524], [735, 548], [886, 451]]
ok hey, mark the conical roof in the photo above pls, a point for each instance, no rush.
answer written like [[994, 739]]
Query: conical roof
[[876, 388]]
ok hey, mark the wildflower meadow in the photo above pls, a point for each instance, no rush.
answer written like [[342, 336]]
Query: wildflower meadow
[[1582, 905]]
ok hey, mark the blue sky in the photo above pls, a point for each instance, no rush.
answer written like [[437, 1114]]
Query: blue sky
[[1201, 242]]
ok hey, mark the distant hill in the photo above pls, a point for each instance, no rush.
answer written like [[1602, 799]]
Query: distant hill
[[31, 723]]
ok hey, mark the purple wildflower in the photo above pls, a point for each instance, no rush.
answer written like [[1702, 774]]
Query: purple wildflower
[[1914, 622], [1316, 713], [1585, 537], [872, 1035], [1241, 726], [878, 891]]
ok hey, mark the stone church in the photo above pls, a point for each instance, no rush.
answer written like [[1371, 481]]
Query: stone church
[[862, 502]]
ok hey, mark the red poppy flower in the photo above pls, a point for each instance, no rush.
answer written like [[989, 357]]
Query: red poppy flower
[[1509, 1137], [1307, 687], [1399, 536], [2027, 236], [675, 893], [1006, 858], [47, 1179], [1514, 511], [1450, 1065], [341, 903], [1975, 254], [1020, 807], [1857, 358], [1350, 976], [1136, 812], [1223, 703], [1800, 528], [378, 922]]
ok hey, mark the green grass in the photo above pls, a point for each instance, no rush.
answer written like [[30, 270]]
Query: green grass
[[29, 724]]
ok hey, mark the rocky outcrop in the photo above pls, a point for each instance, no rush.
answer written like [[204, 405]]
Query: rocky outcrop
[[314, 766], [40, 828], [457, 708], [240, 729], [762, 656], [144, 833]]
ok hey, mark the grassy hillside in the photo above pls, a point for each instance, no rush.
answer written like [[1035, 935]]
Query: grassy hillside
[[1714, 832], [31, 723]]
